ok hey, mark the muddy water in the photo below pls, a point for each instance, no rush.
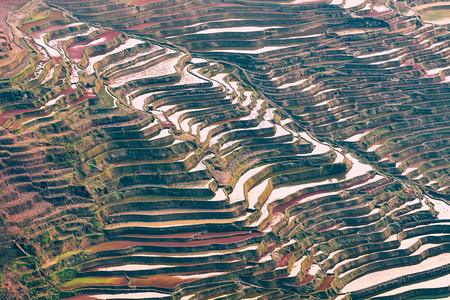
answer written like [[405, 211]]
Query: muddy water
[[198, 242], [76, 50]]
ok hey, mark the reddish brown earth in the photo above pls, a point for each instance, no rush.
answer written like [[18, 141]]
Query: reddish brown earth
[[325, 228], [270, 249], [9, 114], [161, 281], [68, 91], [16, 125], [285, 260], [410, 192], [127, 244], [167, 236], [281, 208], [326, 284], [378, 186], [140, 26], [306, 279], [89, 94], [76, 50]]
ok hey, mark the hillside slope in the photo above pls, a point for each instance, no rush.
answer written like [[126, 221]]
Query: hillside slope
[[228, 150]]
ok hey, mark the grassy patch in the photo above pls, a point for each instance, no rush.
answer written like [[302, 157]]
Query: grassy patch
[[93, 281], [439, 15], [60, 257], [36, 17]]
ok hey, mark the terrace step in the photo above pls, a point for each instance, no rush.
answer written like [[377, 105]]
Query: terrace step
[[200, 177]]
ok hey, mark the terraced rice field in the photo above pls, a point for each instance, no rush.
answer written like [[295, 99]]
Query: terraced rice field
[[433, 12], [239, 150]]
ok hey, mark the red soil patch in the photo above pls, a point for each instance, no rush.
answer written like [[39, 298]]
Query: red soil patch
[[281, 208], [326, 228], [407, 62], [114, 245], [167, 236], [76, 50], [17, 124], [69, 91], [269, 250], [375, 187], [363, 131], [306, 279], [285, 260], [161, 281], [54, 15], [9, 114], [140, 26], [89, 94], [326, 284]]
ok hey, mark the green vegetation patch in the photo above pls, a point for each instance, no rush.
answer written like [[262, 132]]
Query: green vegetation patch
[[94, 281], [441, 16]]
